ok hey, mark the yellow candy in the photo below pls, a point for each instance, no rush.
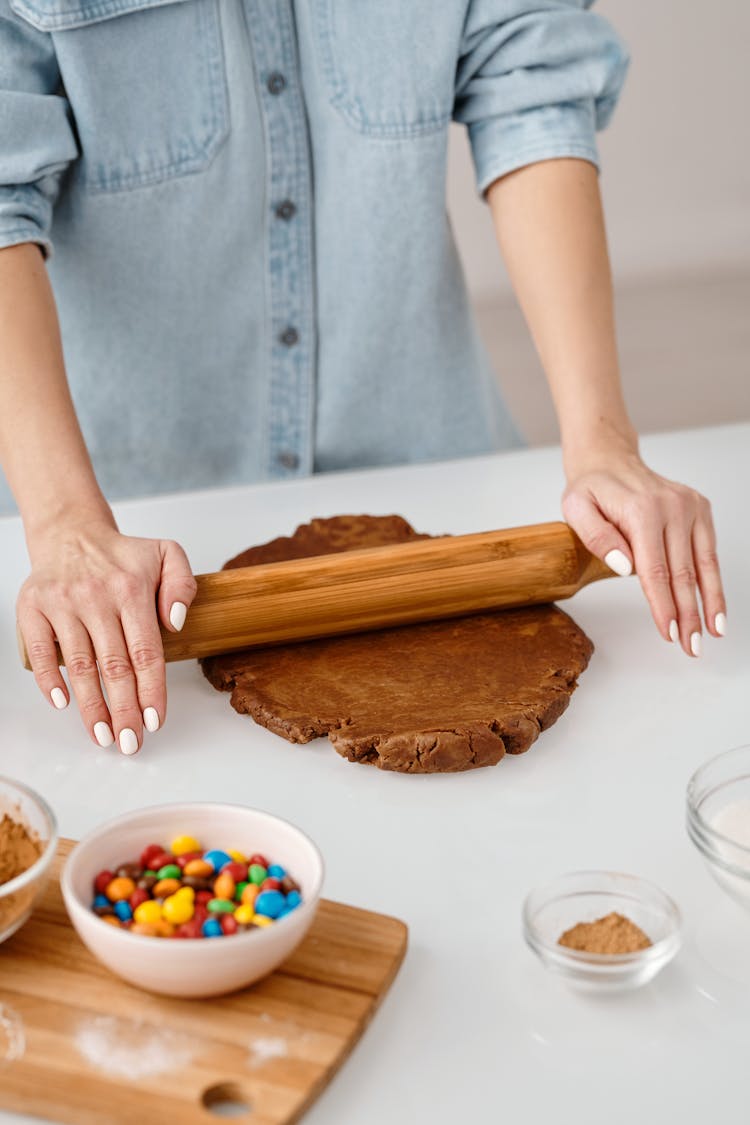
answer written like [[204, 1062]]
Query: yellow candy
[[186, 892], [261, 920], [238, 857], [178, 908], [244, 914], [182, 844], [147, 913]]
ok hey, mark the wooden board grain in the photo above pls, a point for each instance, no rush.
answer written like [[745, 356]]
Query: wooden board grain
[[92, 1050]]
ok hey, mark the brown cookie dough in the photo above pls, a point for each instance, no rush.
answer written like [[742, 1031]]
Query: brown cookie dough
[[432, 698]]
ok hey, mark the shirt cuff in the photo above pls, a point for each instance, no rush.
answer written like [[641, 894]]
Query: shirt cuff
[[502, 144], [18, 235]]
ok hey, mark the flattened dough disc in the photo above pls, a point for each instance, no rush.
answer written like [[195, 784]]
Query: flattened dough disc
[[432, 698]]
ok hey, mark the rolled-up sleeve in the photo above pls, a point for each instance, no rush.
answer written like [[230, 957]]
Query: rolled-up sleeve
[[535, 80], [37, 140]]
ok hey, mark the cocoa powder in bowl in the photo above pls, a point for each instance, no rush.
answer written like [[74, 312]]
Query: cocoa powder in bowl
[[19, 850], [612, 934]]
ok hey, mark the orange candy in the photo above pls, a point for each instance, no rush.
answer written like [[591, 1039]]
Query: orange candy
[[166, 887], [145, 929], [224, 886], [249, 894], [198, 867], [112, 919], [120, 888]]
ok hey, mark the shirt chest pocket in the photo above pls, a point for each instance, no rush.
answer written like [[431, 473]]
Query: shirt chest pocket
[[389, 66], [146, 83]]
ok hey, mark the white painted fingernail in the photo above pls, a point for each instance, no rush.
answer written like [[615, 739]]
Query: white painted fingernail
[[128, 741], [103, 734], [674, 631], [720, 624], [695, 644], [151, 719], [177, 615], [619, 562], [57, 695]]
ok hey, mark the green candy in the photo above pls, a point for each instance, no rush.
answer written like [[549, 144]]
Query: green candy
[[256, 874], [239, 889], [220, 906], [169, 871], [149, 874]]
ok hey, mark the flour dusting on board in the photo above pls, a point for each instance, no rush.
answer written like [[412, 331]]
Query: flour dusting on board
[[270, 1047], [12, 1035], [131, 1048]]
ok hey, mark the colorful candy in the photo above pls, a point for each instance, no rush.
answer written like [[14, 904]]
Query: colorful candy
[[186, 892]]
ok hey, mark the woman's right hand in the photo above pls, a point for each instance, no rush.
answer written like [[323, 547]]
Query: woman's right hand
[[99, 592]]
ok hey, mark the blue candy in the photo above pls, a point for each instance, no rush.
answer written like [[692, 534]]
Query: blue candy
[[276, 872], [123, 910], [211, 928], [270, 903], [294, 898], [101, 900], [217, 859]]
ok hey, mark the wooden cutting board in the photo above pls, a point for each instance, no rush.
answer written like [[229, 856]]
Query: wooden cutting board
[[92, 1050]]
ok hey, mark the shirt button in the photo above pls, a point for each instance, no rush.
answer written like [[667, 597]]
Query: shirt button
[[276, 82], [288, 460], [286, 210], [289, 337]]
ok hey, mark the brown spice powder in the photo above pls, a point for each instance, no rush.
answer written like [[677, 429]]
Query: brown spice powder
[[18, 849], [612, 934]]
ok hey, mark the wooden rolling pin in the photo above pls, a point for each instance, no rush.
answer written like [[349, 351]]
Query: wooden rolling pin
[[356, 591]]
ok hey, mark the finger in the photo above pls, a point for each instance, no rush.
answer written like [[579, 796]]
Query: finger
[[177, 586], [653, 571], [118, 678], [596, 532], [85, 684], [39, 639], [683, 579], [146, 652], [709, 575]]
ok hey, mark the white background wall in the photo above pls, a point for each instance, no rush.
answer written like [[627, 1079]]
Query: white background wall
[[676, 158]]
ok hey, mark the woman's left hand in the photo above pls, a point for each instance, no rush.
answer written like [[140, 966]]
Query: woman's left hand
[[632, 518]]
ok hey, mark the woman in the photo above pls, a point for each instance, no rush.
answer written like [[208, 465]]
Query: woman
[[255, 279]]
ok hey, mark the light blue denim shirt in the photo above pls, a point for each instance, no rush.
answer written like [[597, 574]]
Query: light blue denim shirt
[[253, 266]]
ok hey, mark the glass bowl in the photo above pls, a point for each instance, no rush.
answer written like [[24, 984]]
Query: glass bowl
[[585, 896], [718, 820], [18, 895]]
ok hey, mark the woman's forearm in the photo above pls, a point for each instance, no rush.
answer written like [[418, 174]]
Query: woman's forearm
[[41, 447], [550, 227]]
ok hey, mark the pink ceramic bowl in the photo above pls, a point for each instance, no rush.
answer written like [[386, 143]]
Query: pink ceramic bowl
[[203, 967]]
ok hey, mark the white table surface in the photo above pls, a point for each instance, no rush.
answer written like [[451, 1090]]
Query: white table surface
[[474, 1029]]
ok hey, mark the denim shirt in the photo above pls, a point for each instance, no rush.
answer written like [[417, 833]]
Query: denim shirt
[[243, 207]]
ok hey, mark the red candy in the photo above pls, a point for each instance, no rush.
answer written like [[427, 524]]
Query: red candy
[[271, 884], [228, 924], [259, 859], [191, 929], [181, 860], [202, 897], [200, 913], [148, 853], [238, 871], [161, 859], [102, 881], [139, 895]]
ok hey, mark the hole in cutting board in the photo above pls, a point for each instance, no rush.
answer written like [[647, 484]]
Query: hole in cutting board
[[226, 1099]]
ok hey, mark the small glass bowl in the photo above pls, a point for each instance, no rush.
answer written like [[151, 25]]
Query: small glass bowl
[[720, 782], [17, 896], [585, 896]]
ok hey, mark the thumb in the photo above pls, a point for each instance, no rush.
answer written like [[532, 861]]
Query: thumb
[[177, 586], [596, 532]]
